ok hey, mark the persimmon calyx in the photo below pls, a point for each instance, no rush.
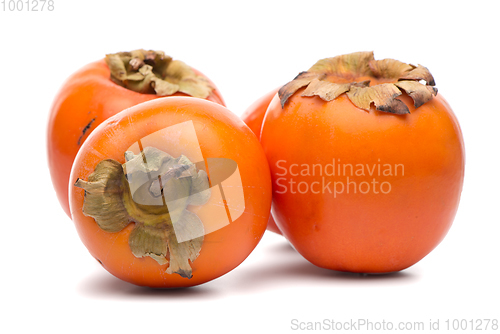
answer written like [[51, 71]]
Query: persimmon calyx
[[365, 81], [153, 72], [153, 190]]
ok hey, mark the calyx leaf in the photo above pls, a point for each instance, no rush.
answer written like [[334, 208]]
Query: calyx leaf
[[383, 96], [153, 190], [365, 81], [153, 72]]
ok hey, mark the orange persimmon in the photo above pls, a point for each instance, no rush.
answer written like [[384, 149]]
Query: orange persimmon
[[172, 192], [367, 162], [96, 92], [253, 117]]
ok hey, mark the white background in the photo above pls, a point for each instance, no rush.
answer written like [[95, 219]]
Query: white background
[[50, 283]]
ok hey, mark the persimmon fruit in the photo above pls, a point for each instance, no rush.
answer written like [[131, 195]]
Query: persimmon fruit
[[103, 88], [367, 162], [253, 117], [172, 192]]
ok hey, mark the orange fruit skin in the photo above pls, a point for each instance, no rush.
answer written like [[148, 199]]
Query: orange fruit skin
[[221, 134], [364, 232], [253, 117], [84, 101]]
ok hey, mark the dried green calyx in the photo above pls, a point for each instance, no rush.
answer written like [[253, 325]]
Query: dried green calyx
[[153, 72], [365, 81], [153, 190]]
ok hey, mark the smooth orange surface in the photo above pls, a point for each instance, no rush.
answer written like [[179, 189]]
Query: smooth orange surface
[[221, 134], [85, 100], [358, 232], [253, 117], [254, 114]]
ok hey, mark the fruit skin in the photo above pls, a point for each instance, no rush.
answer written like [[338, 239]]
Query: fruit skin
[[221, 134], [253, 117], [367, 233], [254, 114], [84, 101]]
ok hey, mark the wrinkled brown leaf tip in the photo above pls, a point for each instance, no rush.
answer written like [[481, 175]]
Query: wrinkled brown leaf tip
[[331, 77], [153, 72], [185, 273], [301, 80]]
